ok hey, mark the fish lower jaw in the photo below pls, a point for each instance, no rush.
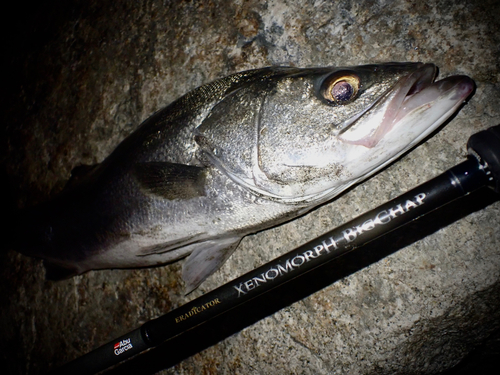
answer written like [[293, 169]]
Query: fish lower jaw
[[306, 200], [447, 93]]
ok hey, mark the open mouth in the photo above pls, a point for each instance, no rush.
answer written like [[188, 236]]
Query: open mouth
[[424, 91], [413, 94]]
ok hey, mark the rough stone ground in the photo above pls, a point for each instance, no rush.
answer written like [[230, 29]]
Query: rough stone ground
[[81, 75]]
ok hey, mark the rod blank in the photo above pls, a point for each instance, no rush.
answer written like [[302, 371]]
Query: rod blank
[[482, 168]]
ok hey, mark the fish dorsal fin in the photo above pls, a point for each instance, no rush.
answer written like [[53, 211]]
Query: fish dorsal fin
[[171, 181], [206, 260], [80, 173]]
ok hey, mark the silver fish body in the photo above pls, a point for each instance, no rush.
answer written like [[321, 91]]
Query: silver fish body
[[233, 157]]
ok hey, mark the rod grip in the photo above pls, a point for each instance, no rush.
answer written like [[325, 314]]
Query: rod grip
[[106, 355], [485, 146]]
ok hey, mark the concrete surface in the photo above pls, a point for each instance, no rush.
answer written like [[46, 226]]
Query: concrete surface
[[81, 75]]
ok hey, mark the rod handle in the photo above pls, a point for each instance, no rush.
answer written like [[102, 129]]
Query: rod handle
[[485, 146]]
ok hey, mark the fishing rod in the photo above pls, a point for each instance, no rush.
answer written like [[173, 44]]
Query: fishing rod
[[482, 168]]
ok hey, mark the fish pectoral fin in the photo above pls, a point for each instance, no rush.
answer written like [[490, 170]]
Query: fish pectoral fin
[[170, 180], [206, 260]]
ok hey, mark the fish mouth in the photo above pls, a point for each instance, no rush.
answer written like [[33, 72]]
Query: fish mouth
[[418, 92]]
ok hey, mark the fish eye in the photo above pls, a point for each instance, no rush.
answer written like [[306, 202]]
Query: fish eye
[[340, 88]]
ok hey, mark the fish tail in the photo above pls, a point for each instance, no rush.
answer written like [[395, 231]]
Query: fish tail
[[20, 232], [10, 212]]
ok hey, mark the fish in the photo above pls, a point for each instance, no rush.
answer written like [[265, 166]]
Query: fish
[[236, 156]]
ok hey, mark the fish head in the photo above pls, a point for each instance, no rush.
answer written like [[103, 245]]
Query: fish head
[[301, 136]]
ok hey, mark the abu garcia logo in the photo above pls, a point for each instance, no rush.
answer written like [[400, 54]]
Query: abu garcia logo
[[122, 346]]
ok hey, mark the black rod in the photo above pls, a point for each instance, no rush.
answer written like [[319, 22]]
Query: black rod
[[481, 169]]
